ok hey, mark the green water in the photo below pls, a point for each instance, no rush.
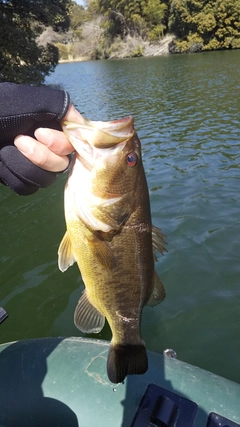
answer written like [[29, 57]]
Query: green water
[[186, 111]]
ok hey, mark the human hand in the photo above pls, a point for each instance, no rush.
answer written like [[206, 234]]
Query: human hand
[[50, 149], [32, 147]]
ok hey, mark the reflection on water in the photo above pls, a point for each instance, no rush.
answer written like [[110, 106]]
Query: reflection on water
[[186, 111]]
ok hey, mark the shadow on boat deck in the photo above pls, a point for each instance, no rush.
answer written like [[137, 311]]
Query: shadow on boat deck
[[62, 382], [22, 403]]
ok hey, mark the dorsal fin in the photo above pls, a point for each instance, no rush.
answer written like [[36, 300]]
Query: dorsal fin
[[158, 241]]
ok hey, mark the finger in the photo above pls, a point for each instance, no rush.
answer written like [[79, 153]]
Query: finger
[[55, 140], [73, 115], [40, 155], [20, 174]]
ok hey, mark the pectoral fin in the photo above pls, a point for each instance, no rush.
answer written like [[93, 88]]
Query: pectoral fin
[[86, 317], [102, 252], [66, 256], [158, 293], [158, 240]]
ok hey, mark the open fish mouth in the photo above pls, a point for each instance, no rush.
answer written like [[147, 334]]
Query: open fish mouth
[[93, 139], [99, 134]]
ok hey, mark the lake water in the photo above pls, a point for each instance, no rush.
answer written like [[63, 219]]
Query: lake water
[[186, 111]]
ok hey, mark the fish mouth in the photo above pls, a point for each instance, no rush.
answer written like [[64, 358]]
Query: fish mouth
[[91, 138], [97, 134]]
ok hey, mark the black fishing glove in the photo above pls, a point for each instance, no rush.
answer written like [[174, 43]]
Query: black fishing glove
[[23, 109]]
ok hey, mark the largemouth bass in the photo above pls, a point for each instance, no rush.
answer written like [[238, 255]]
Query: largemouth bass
[[111, 237]]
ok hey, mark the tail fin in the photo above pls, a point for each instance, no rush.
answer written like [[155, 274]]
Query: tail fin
[[126, 360]]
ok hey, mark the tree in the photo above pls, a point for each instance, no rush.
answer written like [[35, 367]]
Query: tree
[[123, 16], [78, 16], [134, 17], [22, 60], [205, 24], [227, 14], [154, 13]]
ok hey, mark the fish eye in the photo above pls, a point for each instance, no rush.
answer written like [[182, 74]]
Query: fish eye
[[132, 159]]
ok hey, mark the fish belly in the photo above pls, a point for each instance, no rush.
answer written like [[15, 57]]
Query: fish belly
[[119, 293]]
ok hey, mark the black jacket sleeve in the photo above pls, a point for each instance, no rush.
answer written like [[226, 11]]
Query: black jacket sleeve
[[24, 108]]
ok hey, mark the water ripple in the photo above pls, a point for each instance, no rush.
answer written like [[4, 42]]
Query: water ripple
[[186, 110]]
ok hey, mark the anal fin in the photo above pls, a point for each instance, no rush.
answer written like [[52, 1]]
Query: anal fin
[[158, 293], [86, 317]]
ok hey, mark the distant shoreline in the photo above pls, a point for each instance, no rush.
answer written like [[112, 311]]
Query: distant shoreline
[[148, 50], [77, 59]]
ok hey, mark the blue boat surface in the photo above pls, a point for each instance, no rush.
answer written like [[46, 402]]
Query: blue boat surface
[[62, 382]]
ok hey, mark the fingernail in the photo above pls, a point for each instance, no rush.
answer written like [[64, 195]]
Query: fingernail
[[43, 132], [23, 144]]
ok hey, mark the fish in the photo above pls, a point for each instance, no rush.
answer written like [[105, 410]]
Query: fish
[[111, 237]]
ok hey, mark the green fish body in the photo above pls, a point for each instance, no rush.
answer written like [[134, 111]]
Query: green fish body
[[111, 237]]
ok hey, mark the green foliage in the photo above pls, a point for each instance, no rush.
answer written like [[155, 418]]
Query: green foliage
[[22, 60], [215, 22], [206, 23], [93, 8], [110, 50], [198, 25], [134, 17], [156, 33], [78, 15], [138, 51], [64, 50], [139, 25], [154, 12]]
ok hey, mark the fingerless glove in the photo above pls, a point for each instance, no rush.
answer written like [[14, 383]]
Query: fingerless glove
[[23, 109]]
